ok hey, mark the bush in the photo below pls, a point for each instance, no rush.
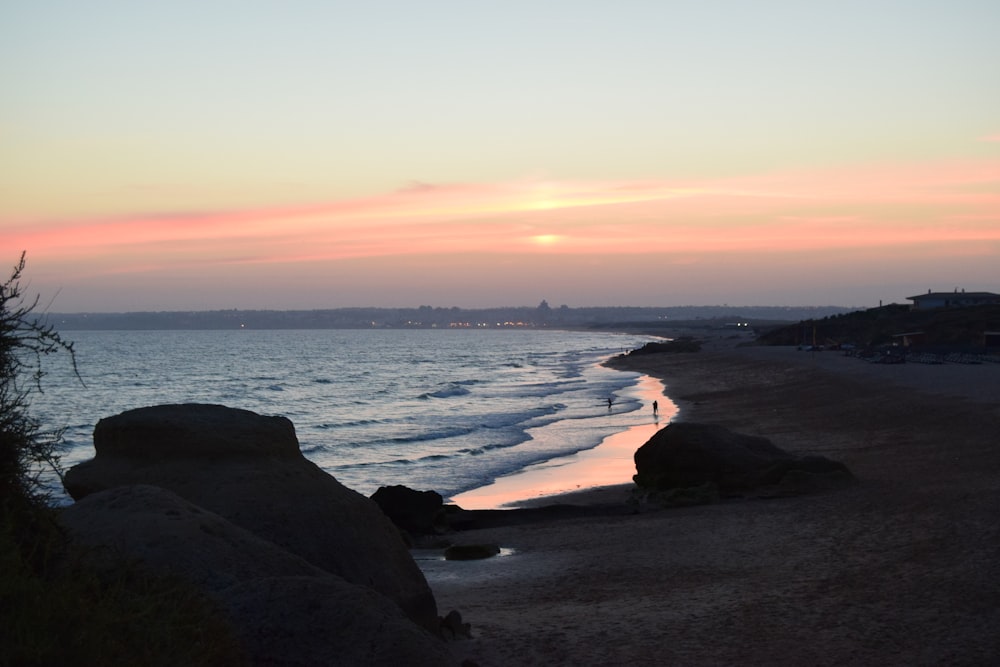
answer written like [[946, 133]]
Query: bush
[[25, 449], [58, 604]]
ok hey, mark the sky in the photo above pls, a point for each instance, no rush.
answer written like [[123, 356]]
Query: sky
[[216, 154]]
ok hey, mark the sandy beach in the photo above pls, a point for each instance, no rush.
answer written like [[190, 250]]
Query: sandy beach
[[901, 568]]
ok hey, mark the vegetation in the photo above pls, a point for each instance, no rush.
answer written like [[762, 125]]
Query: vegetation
[[59, 605], [959, 327], [24, 446]]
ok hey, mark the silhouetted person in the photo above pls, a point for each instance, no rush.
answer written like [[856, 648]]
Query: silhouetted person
[[656, 407], [610, 401]]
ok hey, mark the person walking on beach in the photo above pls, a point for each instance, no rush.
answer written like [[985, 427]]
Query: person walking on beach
[[656, 407], [610, 401]]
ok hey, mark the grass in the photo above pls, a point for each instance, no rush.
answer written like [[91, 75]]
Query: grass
[[59, 607]]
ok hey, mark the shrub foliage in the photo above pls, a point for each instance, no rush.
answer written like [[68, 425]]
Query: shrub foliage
[[25, 448], [59, 603]]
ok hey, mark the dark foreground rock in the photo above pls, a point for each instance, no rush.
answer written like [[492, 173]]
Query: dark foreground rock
[[416, 512], [707, 461], [284, 610], [248, 469]]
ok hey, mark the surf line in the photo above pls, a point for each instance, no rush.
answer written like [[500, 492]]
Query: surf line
[[609, 463]]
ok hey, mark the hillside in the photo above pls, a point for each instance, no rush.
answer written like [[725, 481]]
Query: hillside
[[876, 326]]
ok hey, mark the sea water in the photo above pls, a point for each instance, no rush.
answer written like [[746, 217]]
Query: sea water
[[448, 410]]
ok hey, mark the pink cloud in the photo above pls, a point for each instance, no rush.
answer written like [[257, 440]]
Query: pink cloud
[[879, 206]]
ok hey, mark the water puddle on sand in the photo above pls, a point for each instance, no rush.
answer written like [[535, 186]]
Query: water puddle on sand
[[435, 555]]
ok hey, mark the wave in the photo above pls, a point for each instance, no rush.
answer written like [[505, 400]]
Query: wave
[[450, 391], [349, 424], [467, 468], [476, 451], [537, 389], [524, 419], [425, 436], [395, 462], [480, 396]]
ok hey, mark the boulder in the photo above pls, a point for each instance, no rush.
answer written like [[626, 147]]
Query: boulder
[[248, 469], [283, 610], [214, 432], [174, 536], [684, 455], [416, 512], [297, 621]]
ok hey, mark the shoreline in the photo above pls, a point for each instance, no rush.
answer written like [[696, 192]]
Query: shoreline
[[602, 473], [901, 568], [563, 479]]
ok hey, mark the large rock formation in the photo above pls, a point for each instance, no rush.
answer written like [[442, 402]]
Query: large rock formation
[[248, 469], [416, 512], [284, 610], [685, 455]]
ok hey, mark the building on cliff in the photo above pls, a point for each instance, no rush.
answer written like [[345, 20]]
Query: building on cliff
[[954, 299]]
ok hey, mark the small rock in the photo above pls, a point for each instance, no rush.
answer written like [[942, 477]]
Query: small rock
[[416, 512], [452, 626]]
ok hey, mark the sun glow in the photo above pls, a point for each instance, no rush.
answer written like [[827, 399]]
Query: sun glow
[[871, 212], [546, 239]]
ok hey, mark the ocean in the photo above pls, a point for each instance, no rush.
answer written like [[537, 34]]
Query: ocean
[[448, 410]]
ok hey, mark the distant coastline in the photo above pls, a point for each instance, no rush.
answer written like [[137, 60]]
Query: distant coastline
[[427, 317]]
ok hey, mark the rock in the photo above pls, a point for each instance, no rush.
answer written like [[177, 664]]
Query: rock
[[172, 535], [416, 512], [452, 626], [195, 430], [683, 455], [248, 469], [682, 344], [284, 610], [295, 621], [471, 551]]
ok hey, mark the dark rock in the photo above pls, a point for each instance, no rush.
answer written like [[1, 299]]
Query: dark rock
[[268, 488], [452, 626], [194, 430], [683, 455], [172, 535], [417, 512], [298, 621], [471, 551], [284, 610], [682, 344]]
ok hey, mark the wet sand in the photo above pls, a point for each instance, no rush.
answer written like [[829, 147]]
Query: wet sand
[[610, 463], [902, 568]]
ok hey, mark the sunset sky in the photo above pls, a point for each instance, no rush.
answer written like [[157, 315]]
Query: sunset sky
[[191, 155]]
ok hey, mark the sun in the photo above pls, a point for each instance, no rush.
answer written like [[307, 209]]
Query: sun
[[546, 239]]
